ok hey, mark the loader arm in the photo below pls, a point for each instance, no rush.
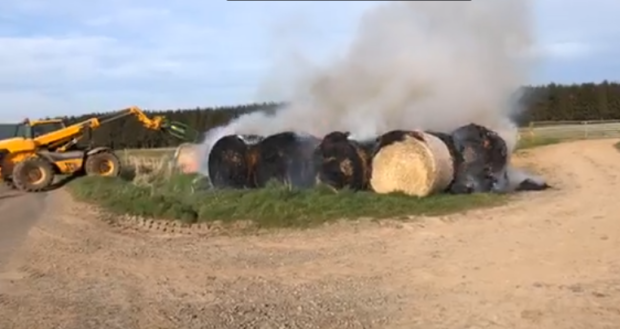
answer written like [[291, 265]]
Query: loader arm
[[66, 134], [71, 134]]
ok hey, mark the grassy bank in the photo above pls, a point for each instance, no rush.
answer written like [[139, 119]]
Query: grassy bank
[[153, 189], [165, 194]]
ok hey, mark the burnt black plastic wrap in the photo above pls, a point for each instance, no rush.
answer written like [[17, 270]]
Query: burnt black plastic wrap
[[228, 162], [483, 160], [396, 136], [529, 184], [286, 158], [342, 163]]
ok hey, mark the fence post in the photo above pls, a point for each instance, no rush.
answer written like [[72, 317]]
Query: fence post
[[531, 130]]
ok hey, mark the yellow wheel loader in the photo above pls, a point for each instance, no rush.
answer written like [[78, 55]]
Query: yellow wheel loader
[[37, 151]]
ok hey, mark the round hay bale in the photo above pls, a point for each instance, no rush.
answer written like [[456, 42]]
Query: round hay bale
[[417, 166], [454, 153], [341, 162], [286, 158], [484, 156], [228, 163]]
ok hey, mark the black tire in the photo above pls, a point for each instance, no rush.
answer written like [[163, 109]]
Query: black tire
[[33, 175], [105, 164]]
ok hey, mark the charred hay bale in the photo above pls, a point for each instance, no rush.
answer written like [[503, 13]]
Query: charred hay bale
[[484, 160], [342, 163], [228, 162], [367, 150], [285, 157], [368, 147], [412, 162]]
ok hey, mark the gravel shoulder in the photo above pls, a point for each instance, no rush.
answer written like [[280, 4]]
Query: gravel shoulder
[[548, 260]]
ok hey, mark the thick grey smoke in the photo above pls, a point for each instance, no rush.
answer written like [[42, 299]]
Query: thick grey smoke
[[413, 65]]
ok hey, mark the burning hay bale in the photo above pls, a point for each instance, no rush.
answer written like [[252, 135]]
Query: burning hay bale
[[343, 163], [285, 157], [229, 166], [186, 158], [483, 160], [470, 159], [416, 163]]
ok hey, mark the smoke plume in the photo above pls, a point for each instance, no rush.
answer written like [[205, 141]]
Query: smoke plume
[[413, 65]]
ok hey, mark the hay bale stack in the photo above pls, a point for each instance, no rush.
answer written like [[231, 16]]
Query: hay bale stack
[[341, 162], [228, 162], [286, 158], [484, 156], [412, 162]]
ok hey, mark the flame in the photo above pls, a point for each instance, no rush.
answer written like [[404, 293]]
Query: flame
[[186, 158]]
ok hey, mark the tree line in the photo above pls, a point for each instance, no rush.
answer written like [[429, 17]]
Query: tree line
[[553, 102]]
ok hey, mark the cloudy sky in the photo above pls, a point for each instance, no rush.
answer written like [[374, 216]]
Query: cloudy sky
[[72, 56]]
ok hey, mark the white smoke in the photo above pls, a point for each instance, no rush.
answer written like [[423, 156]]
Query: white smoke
[[413, 65]]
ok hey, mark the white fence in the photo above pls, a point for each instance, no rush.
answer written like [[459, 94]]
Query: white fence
[[572, 129]]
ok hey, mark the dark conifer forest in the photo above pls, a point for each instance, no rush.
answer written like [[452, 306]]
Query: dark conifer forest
[[588, 101]]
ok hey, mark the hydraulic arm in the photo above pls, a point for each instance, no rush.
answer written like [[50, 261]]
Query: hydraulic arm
[[30, 163]]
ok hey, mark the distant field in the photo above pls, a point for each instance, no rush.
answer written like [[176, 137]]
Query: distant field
[[540, 130]]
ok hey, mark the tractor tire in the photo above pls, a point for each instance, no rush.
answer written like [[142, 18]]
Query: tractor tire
[[33, 175], [105, 164], [8, 182]]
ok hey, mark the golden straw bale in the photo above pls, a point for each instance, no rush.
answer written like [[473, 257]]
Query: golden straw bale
[[412, 166]]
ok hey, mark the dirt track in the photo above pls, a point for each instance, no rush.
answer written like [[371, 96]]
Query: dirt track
[[549, 260]]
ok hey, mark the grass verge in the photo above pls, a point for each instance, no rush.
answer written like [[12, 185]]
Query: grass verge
[[153, 189], [176, 197], [617, 146]]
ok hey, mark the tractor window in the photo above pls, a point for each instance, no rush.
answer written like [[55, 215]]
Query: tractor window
[[46, 128], [23, 130], [8, 130]]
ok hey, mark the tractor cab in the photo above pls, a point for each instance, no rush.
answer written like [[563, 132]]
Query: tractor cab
[[28, 129], [34, 129]]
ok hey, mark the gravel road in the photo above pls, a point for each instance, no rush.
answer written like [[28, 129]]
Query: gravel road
[[547, 260]]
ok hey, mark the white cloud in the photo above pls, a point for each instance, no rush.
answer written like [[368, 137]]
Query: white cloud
[[70, 56]]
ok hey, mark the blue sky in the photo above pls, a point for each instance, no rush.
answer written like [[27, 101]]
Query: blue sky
[[63, 57]]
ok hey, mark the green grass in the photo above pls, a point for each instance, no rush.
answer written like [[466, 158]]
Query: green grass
[[617, 145], [177, 198], [161, 193]]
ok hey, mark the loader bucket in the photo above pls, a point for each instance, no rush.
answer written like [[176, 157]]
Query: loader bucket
[[181, 131]]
